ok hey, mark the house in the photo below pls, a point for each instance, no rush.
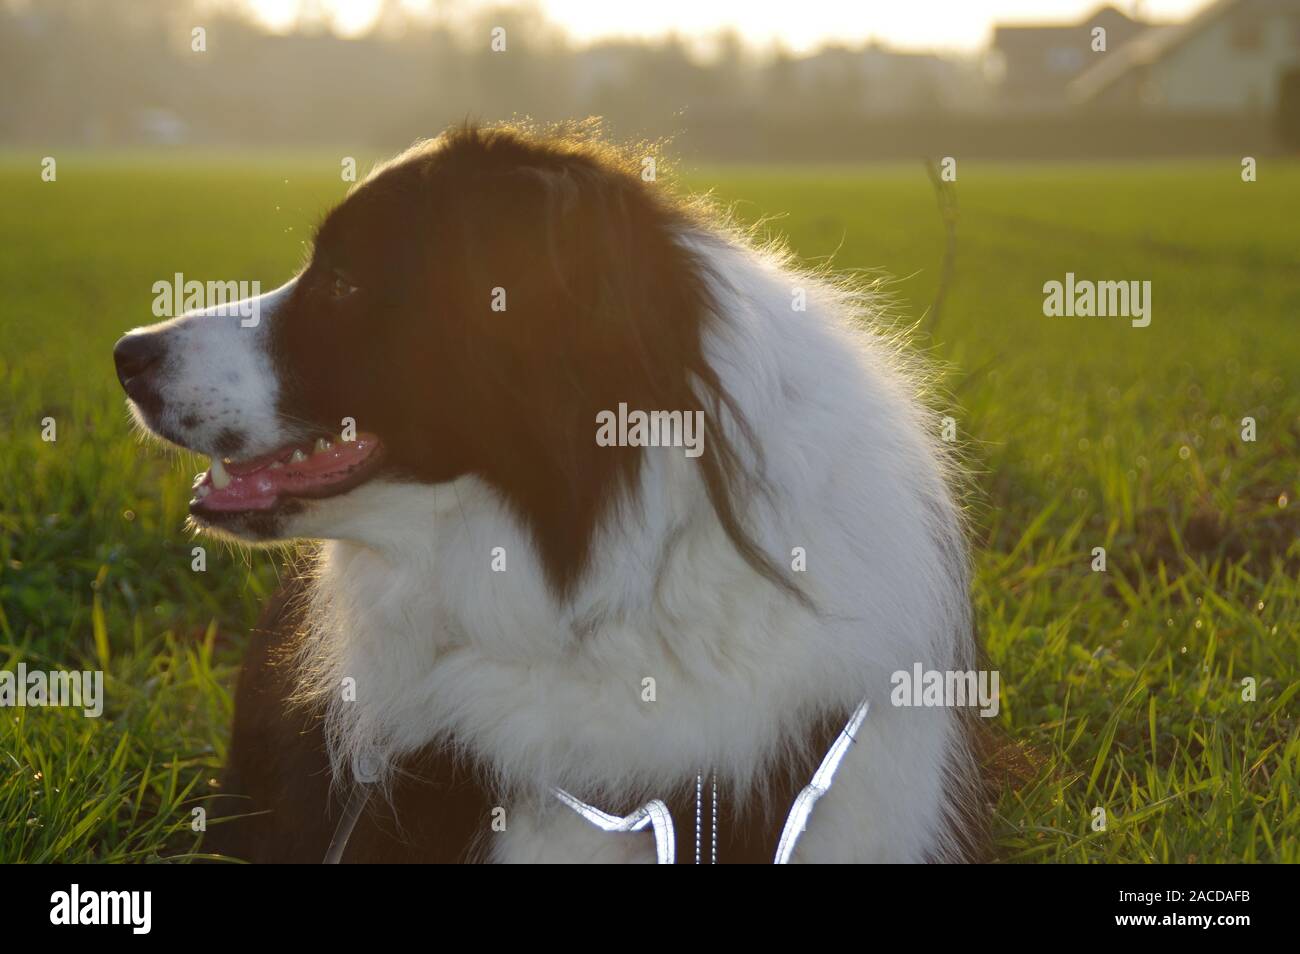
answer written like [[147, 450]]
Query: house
[[1234, 56], [1033, 65]]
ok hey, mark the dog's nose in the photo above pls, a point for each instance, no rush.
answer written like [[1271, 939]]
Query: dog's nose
[[136, 355]]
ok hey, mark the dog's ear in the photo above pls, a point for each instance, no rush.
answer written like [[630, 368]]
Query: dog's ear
[[562, 245], [605, 304], [592, 271], [634, 305]]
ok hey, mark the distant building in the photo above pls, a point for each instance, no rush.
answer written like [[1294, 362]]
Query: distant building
[[1033, 65], [1234, 56]]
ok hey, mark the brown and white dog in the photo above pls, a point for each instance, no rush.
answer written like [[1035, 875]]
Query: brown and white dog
[[521, 586]]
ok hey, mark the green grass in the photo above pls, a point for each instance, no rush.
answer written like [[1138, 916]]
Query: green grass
[[1121, 690]]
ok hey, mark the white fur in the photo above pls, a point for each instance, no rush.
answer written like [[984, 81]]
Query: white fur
[[219, 377], [544, 693]]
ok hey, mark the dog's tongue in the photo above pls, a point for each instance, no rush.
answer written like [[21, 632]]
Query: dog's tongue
[[308, 471]]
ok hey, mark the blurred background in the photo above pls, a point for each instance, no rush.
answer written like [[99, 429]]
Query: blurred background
[[729, 80]]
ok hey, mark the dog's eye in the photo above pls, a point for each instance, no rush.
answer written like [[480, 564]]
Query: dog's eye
[[340, 286]]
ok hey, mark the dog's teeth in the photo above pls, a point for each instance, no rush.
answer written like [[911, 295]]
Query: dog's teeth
[[220, 479], [322, 445], [276, 464], [298, 457], [203, 490]]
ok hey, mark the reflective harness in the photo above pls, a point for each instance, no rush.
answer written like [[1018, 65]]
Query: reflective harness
[[655, 815]]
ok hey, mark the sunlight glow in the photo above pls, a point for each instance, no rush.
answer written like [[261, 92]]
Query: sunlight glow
[[909, 24]]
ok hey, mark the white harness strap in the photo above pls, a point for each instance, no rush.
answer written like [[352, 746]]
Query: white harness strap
[[797, 821], [655, 813], [343, 832]]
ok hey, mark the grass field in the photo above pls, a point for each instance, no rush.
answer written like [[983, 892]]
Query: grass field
[[1122, 690]]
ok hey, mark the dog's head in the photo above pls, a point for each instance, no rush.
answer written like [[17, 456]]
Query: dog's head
[[468, 309]]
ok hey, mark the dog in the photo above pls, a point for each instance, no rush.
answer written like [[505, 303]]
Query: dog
[[535, 622]]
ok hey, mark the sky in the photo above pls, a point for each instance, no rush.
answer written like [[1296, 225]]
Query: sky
[[800, 25]]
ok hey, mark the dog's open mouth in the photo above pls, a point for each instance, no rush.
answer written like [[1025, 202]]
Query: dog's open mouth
[[323, 469]]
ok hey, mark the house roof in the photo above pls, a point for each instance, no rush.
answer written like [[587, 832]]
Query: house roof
[[1150, 46], [1031, 37]]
